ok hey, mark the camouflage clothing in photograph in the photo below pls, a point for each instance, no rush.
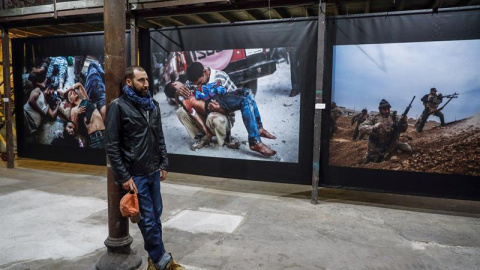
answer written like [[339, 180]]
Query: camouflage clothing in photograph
[[359, 119], [431, 102], [380, 131], [335, 113]]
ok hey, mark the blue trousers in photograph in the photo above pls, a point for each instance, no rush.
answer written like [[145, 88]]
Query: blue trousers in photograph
[[246, 104]]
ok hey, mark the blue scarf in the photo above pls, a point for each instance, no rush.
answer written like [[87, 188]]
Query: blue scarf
[[145, 103]]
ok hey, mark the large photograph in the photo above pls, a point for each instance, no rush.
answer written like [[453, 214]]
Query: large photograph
[[64, 101], [238, 103], [407, 107]]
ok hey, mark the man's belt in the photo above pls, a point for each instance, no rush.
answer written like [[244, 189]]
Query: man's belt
[[96, 134]]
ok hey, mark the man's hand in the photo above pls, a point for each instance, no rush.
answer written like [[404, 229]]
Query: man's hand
[[181, 89], [81, 109], [129, 184], [378, 126], [214, 106], [164, 174], [85, 122]]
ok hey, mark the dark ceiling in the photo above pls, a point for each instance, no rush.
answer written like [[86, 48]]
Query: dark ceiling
[[155, 14]]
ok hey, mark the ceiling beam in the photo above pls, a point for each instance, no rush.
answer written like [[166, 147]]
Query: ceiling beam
[[23, 32], [155, 23], [198, 19], [58, 29], [223, 8], [208, 18], [175, 3], [284, 12], [251, 14], [46, 30], [228, 16], [221, 15], [275, 14], [176, 21]]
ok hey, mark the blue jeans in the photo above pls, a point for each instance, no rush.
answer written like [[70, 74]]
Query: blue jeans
[[231, 102], [94, 84], [150, 200]]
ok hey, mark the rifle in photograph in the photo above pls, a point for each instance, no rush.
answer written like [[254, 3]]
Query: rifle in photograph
[[395, 132], [450, 97]]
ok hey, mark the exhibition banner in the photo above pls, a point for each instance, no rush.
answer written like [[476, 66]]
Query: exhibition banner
[[405, 103], [60, 97], [261, 76]]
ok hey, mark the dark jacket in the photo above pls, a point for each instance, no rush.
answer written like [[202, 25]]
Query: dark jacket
[[134, 145]]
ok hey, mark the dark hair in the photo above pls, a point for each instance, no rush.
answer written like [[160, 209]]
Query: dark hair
[[194, 71], [66, 123], [129, 71], [28, 86], [170, 90], [33, 77]]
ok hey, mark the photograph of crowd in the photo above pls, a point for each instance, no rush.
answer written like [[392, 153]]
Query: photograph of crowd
[[407, 107], [239, 104], [64, 101]]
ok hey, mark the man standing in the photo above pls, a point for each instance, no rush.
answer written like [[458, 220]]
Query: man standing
[[138, 157], [431, 102], [381, 127], [359, 118]]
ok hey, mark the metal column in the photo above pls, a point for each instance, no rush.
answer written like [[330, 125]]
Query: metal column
[[133, 41], [318, 103], [119, 254], [7, 102]]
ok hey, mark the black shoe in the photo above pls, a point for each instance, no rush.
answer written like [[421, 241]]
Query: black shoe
[[233, 143], [294, 92]]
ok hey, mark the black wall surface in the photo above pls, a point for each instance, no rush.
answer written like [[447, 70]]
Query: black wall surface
[[397, 28]]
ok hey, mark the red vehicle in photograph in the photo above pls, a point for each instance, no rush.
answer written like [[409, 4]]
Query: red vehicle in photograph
[[244, 66]]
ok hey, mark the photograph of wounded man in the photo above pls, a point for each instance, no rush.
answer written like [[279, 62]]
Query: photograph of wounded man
[[64, 101]]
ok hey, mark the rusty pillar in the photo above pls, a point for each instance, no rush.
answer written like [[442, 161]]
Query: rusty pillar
[[7, 101], [317, 130], [119, 255], [133, 41]]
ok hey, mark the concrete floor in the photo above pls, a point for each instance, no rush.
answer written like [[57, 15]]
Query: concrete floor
[[272, 226]]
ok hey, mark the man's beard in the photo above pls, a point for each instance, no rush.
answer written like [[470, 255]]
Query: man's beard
[[139, 92], [67, 136]]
